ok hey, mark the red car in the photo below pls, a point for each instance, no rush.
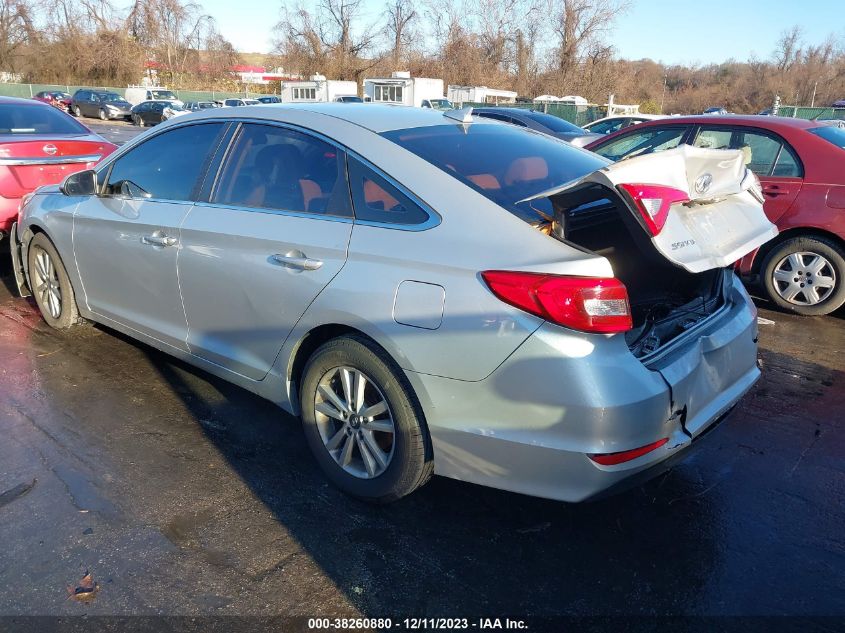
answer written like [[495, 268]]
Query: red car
[[801, 166], [55, 98], [39, 145]]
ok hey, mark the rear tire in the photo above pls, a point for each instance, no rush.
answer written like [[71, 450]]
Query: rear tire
[[805, 275], [50, 284], [379, 457]]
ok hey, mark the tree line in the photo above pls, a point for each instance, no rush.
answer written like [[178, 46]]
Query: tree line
[[534, 47]]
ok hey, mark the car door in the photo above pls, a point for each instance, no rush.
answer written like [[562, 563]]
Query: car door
[[92, 105], [127, 238], [269, 237], [767, 155]]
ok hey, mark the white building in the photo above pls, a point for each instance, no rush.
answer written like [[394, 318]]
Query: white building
[[317, 88], [402, 89], [568, 100], [480, 94]]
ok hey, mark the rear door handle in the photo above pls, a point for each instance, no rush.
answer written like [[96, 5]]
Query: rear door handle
[[774, 190], [297, 260], [159, 239]]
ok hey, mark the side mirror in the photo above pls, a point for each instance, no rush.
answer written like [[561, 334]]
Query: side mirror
[[82, 183]]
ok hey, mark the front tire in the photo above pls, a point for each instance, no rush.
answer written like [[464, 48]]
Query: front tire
[[103, 115], [76, 111], [50, 284], [805, 275], [363, 422]]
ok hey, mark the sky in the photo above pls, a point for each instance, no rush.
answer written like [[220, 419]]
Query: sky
[[674, 32]]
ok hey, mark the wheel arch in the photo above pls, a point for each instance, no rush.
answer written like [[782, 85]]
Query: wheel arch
[[787, 234], [317, 336]]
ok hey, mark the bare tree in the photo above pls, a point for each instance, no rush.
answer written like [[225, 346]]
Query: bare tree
[[579, 25], [16, 29], [400, 15]]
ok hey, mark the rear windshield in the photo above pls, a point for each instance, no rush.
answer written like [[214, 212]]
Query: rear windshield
[[831, 134], [15, 119], [473, 155], [554, 123]]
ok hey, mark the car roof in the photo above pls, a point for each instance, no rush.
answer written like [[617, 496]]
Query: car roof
[[21, 101], [375, 117], [769, 122]]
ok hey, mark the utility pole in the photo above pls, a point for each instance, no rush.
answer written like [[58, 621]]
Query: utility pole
[[663, 97], [813, 101]]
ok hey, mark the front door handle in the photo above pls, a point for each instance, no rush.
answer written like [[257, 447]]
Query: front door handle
[[159, 239], [297, 260]]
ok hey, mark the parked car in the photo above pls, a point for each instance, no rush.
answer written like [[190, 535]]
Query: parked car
[[39, 145], [270, 99], [195, 106], [540, 122], [55, 98], [154, 112], [349, 99], [446, 351], [838, 104], [101, 104], [718, 111], [799, 164], [437, 104], [614, 123], [139, 94], [234, 103]]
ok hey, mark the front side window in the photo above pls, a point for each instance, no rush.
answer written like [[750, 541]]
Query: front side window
[[641, 142], [167, 166], [376, 200], [276, 168], [832, 134]]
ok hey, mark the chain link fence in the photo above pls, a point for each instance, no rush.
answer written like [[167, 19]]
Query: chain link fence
[[813, 114], [30, 90]]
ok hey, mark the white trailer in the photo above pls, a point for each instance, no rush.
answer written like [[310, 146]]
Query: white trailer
[[317, 89], [402, 89], [480, 94]]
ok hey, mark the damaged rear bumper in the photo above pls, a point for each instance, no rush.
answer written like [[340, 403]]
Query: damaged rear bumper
[[532, 425]]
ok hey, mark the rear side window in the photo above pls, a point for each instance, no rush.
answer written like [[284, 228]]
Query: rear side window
[[36, 119], [833, 135], [376, 200], [167, 166], [473, 154], [277, 168], [640, 142]]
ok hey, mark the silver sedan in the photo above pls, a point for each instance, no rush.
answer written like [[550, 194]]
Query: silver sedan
[[430, 292]]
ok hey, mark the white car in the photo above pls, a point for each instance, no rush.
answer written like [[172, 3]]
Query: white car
[[610, 124]]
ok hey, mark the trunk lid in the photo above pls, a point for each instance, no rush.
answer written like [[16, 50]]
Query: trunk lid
[[720, 221], [33, 162]]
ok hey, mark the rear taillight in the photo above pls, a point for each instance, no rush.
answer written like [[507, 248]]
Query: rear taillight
[[590, 304], [612, 459], [653, 202]]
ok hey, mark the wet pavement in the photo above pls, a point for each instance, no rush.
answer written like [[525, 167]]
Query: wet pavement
[[184, 495]]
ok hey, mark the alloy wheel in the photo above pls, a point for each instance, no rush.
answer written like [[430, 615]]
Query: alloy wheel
[[355, 422], [804, 278], [47, 283]]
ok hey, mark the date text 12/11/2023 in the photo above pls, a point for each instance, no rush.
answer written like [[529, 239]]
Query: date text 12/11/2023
[[416, 624]]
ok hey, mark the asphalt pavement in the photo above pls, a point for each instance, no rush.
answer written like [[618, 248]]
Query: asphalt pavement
[[184, 495]]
